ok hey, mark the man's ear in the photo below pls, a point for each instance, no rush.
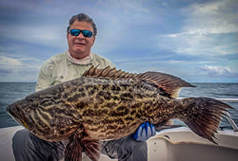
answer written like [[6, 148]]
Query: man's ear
[[94, 38], [67, 35]]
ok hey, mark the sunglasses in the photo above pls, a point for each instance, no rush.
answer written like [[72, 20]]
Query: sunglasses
[[76, 32]]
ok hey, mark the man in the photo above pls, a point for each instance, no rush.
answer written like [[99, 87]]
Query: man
[[81, 34]]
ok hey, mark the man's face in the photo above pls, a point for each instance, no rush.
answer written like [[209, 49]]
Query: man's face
[[80, 46]]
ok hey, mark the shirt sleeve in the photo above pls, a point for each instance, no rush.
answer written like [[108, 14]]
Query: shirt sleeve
[[45, 76]]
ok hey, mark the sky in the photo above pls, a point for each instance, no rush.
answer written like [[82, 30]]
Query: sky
[[196, 40]]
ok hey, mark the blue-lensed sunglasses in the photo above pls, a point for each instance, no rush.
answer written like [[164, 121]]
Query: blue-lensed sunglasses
[[76, 32]]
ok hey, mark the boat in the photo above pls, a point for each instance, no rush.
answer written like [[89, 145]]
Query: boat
[[182, 144], [174, 144]]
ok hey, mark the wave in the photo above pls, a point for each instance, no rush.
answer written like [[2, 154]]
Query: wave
[[226, 94], [228, 99], [221, 99]]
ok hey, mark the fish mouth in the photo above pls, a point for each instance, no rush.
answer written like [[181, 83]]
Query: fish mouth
[[10, 109], [15, 111], [17, 114]]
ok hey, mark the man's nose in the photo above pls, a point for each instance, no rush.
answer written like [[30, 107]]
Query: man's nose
[[80, 36]]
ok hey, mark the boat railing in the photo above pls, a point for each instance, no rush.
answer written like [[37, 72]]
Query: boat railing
[[231, 122]]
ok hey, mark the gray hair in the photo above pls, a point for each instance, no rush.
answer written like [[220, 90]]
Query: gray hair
[[85, 18]]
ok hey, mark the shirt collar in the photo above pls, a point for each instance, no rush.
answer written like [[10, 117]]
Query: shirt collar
[[84, 61]]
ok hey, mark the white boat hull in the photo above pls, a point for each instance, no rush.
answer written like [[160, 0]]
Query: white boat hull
[[181, 144]]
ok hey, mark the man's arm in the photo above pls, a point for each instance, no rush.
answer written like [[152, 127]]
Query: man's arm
[[45, 77]]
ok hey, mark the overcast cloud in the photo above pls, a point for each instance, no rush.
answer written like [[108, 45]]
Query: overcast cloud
[[196, 40]]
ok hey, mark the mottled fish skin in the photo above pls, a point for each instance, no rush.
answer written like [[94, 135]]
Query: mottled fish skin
[[109, 104], [107, 109]]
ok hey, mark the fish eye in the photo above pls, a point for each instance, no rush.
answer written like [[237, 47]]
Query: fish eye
[[35, 103]]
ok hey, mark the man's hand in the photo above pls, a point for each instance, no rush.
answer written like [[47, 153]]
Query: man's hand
[[144, 132]]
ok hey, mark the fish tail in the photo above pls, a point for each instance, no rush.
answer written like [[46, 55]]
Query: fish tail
[[203, 115]]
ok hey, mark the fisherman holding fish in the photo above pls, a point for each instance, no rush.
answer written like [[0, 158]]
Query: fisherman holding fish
[[81, 34]]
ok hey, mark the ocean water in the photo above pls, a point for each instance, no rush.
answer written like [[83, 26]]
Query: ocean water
[[226, 92]]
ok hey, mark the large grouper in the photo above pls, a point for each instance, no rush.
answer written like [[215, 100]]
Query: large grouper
[[108, 104]]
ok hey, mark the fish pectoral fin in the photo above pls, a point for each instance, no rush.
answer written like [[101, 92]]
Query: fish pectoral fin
[[73, 151], [92, 148]]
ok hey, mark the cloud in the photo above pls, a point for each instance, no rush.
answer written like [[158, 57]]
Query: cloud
[[4, 71], [217, 70], [209, 29], [37, 25], [19, 69], [120, 22], [131, 33], [216, 17], [48, 35], [9, 61]]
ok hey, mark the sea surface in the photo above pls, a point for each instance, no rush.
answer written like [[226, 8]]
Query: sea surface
[[226, 92]]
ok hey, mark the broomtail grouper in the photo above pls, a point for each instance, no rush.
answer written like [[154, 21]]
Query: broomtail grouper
[[106, 104]]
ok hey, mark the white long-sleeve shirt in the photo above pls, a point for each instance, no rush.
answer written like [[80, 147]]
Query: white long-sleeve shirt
[[63, 67]]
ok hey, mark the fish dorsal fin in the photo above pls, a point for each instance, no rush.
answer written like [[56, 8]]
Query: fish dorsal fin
[[168, 83], [107, 72]]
